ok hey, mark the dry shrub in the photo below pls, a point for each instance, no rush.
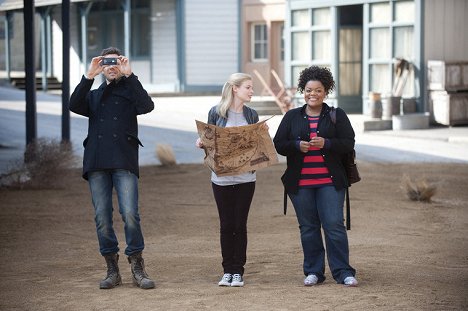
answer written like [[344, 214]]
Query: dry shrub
[[165, 155], [419, 190], [47, 164]]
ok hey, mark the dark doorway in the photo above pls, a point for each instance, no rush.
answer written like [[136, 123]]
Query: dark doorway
[[350, 32]]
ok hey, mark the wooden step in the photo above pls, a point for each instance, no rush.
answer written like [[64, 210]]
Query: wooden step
[[52, 83], [265, 107]]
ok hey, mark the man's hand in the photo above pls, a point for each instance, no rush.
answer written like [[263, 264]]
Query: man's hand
[[95, 67], [125, 67]]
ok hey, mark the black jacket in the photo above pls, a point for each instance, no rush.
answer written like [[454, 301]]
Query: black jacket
[[112, 141], [295, 126], [215, 119]]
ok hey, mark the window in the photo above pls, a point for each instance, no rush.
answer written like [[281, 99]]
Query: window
[[404, 11], [403, 45], [300, 18], [380, 13], [350, 61], [379, 43], [380, 79], [321, 42], [259, 42], [141, 33], [391, 36], [300, 46], [295, 72], [321, 17], [310, 40]]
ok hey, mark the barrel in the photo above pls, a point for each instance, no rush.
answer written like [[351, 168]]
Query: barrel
[[375, 105], [390, 107]]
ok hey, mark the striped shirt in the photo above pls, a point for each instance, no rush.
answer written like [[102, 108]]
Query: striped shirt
[[314, 173]]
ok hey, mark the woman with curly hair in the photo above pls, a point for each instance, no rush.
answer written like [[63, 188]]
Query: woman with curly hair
[[315, 179]]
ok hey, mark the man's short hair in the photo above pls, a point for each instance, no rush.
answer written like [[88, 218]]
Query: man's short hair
[[111, 50]]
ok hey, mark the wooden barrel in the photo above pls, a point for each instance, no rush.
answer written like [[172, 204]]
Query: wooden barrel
[[375, 105], [390, 107]]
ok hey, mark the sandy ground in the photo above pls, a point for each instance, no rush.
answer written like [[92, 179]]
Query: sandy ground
[[408, 255]]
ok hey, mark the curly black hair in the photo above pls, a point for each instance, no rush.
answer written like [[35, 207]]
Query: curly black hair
[[316, 73]]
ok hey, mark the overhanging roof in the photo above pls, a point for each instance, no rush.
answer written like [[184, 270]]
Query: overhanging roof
[[9, 5]]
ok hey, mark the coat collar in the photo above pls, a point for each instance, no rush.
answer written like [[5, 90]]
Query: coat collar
[[325, 109]]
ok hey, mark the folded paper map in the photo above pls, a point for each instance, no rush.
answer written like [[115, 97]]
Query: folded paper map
[[234, 150]]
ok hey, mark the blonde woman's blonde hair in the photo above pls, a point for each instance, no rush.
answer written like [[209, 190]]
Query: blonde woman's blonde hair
[[227, 95]]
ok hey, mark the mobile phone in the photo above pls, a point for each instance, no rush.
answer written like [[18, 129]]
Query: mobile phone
[[109, 61]]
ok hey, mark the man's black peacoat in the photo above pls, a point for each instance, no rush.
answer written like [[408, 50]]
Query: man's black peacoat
[[112, 109]]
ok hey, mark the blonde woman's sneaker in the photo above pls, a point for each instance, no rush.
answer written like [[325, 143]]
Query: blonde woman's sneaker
[[311, 280], [237, 280], [350, 281], [225, 280]]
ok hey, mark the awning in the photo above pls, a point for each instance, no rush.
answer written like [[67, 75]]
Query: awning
[[10, 5]]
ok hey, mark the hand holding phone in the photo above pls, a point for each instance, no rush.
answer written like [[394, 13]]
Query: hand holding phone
[[107, 61]]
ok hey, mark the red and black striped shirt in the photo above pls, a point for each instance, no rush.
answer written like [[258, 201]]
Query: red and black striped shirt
[[314, 173]]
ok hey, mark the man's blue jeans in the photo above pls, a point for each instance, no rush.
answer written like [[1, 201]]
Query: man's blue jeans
[[323, 207], [125, 183]]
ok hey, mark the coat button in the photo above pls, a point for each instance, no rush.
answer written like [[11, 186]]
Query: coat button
[[115, 118], [102, 120], [115, 135], [116, 103], [99, 136]]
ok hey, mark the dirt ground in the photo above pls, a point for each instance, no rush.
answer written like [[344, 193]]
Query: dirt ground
[[408, 255]]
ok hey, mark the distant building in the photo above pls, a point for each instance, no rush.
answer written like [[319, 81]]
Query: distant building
[[361, 40], [174, 45], [193, 45], [262, 41]]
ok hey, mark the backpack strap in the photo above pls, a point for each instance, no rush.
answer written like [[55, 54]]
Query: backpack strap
[[285, 201], [333, 114], [348, 204], [348, 211]]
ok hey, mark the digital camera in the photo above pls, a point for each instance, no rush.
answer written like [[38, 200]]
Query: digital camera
[[109, 61]]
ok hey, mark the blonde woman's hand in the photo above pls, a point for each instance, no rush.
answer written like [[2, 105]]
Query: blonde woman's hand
[[199, 143], [264, 126]]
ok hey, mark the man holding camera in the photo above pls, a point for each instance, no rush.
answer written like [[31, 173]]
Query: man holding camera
[[111, 157]]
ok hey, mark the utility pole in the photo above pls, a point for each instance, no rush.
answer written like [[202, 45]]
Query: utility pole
[[30, 71], [66, 70]]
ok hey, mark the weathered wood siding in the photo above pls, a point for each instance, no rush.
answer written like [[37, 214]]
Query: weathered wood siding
[[211, 41], [446, 30], [164, 45]]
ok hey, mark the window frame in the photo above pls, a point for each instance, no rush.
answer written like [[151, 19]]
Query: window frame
[[262, 41]]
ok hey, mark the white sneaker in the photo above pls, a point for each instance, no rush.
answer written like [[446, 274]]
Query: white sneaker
[[237, 280], [225, 280], [350, 281], [310, 280]]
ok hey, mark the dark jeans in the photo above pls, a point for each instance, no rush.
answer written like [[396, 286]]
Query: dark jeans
[[316, 208], [233, 207], [125, 183]]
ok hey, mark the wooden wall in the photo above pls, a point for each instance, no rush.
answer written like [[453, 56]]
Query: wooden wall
[[446, 30]]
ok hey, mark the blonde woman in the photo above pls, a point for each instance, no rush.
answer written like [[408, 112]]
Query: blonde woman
[[233, 194]]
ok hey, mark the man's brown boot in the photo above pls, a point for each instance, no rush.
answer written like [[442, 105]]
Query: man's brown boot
[[113, 276], [140, 278]]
